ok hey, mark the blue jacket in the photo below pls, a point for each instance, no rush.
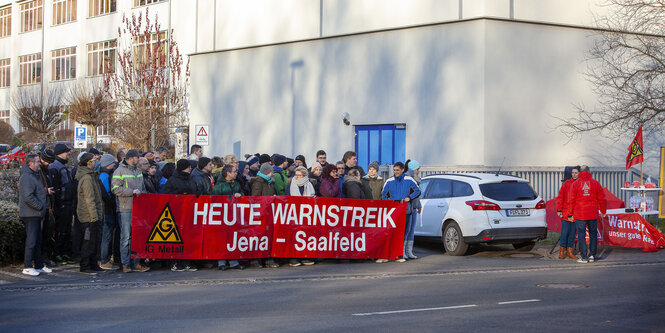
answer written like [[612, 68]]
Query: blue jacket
[[399, 188]]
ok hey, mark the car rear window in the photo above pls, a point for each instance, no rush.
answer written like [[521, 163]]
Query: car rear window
[[508, 191]]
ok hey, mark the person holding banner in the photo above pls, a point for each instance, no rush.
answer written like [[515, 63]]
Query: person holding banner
[[330, 184], [301, 186], [403, 189], [585, 199], [227, 185], [567, 227], [262, 184], [181, 183]]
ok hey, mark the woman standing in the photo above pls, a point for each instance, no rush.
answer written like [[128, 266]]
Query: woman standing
[[568, 230], [330, 186], [227, 185], [353, 188], [301, 186]]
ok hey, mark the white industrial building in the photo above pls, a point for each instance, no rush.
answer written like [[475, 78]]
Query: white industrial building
[[446, 82]]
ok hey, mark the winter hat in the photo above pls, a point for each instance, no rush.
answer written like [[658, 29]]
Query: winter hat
[[265, 168], [48, 156], [414, 165], [203, 161], [106, 160], [301, 159], [182, 165], [374, 165], [84, 158], [60, 148], [278, 159], [264, 158], [132, 153], [252, 159], [316, 164], [78, 158], [289, 161], [93, 151]]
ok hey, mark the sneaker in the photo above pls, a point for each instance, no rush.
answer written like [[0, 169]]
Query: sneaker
[[126, 269], [582, 261], [294, 263], [88, 272], [59, 260], [307, 262], [176, 268], [97, 269], [45, 270], [140, 268], [30, 271], [272, 264], [591, 259], [190, 268], [381, 261], [400, 259], [238, 267], [109, 266]]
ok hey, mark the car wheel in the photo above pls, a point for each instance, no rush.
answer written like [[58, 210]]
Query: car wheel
[[452, 239], [526, 246]]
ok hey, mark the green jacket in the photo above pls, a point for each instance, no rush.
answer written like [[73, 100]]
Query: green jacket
[[126, 179], [90, 206], [226, 187], [281, 180]]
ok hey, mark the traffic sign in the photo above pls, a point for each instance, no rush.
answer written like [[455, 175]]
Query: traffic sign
[[80, 137], [202, 137]]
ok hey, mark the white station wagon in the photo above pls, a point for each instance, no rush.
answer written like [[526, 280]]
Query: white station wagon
[[471, 208]]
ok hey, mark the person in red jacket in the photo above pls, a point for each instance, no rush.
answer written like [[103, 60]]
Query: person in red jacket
[[585, 199], [567, 228]]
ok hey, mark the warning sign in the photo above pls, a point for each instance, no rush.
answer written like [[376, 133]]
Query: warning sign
[[202, 137], [165, 230]]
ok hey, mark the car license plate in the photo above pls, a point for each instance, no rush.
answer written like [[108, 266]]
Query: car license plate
[[517, 212]]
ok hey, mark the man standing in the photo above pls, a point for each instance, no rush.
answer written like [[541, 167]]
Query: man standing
[[127, 182], [63, 184], [110, 232], [32, 207], [47, 157], [90, 211], [321, 158], [350, 160], [161, 154], [195, 153], [253, 162], [585, 199], [401, 188], [202, 176]]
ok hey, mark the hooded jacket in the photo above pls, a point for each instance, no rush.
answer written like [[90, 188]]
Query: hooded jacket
[[31, 194], [126, 179], [90, 206], [586, 198]]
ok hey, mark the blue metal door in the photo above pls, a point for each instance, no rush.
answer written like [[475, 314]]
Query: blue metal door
[[383, 143]]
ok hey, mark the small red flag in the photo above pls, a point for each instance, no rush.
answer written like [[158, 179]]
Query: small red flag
[[635, 151]]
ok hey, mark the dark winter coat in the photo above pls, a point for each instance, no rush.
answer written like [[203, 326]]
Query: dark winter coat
[[330, 188], [151, 186], [261, 187], [353, 188], [31, 194], [202, 181], [107, 196], [63, 182], [180, 183]]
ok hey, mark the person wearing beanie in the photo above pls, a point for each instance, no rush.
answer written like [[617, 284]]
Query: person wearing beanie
[[264, 158], [46, 157], [281, 175], [254, 164], [373, 182], [300, 161], [413, 171], [90, 212], [63, 202], [126, 182], [202, 176], [110, 225], [181, 183], [262, 184], [94, 152]]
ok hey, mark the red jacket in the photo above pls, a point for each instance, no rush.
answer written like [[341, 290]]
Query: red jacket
[[562, 198], [586, 198]]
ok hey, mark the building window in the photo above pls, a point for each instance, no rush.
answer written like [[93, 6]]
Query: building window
[[4, 116], [63, 64], [100, 7], [138, 3], [31, 15], [5, 69], [103, 129], [101, 58], [30, 67], [6, 21], [64, 11], [145, 51]]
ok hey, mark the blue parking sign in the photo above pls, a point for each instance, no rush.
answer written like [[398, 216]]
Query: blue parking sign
[[80, 137]]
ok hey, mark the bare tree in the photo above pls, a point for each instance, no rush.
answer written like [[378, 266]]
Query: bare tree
[[38, 114], [89, 104], [6, 133], [626, 69], [150, 85]]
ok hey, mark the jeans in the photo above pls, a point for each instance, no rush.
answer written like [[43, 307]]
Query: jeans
[[126, 239], [33, 242], [89, 245], [232, 263], [410, 226], [593, 237], [63, 228], [567, 233], [108, 226]]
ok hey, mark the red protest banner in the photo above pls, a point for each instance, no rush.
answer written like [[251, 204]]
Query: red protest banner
[[629, 230], [337, 228], [221, 227]]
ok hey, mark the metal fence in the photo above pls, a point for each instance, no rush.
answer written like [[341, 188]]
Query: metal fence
[[546, 181]]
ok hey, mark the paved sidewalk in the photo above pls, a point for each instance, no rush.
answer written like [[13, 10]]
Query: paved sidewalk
[[432, 261]]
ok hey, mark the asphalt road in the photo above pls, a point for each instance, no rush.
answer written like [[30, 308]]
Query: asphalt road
[[548, 295]]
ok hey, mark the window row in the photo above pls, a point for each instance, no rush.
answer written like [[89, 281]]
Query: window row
[[64, 11]]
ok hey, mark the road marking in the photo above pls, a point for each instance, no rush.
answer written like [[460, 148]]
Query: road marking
[[22, 276], [280, 240], [416, 310], [520, 301]]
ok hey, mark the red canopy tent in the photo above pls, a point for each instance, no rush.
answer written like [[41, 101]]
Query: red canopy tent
[[554, 221]]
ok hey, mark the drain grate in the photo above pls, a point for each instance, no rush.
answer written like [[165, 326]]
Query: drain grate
[[563, 286]]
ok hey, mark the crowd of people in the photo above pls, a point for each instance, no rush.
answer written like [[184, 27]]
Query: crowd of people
[[84, 214]]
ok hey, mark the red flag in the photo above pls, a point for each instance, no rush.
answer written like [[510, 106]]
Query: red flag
[[635, 151]]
